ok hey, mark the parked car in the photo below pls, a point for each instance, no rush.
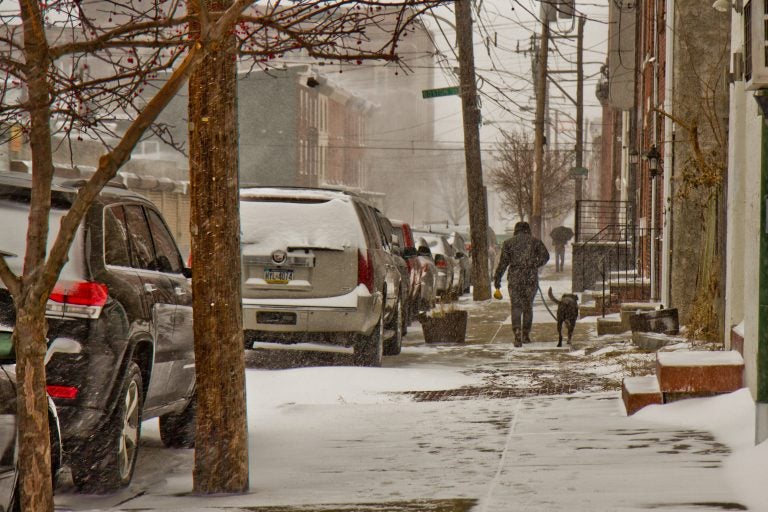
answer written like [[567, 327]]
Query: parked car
[[426, 277], [9, 475], [448, 266], [393, 246], [119, 328], [461, 252], [317, 267], [421, 269]]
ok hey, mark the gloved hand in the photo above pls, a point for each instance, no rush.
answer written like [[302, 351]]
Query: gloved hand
[[497, 294]]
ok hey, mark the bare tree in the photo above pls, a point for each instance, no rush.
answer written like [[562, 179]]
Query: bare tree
[[512, 177], [77, 70], [451, 198]]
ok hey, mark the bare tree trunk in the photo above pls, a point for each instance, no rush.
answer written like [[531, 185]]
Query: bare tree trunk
[[30, 329], [221, 440], [34, 441]]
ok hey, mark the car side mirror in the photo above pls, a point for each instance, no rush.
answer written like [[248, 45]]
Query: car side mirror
[[460, 255], [187, 272], [424, 251], [409, 252]]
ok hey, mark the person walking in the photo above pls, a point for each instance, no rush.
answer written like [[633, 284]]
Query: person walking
[[521, 257], [560, 236]]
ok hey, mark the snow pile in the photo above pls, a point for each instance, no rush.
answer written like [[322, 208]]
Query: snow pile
[[731, 419]]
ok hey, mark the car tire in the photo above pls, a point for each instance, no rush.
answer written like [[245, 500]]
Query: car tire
[[177, 430], [106, 463], [394, 345], [369, 349]]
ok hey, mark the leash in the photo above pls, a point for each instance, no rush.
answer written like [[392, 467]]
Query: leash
[[545, 304]]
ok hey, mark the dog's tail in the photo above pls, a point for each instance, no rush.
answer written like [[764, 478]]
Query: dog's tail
[[552, 297]]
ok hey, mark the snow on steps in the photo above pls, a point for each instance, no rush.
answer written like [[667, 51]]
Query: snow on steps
[[684, 374], [637, 392]]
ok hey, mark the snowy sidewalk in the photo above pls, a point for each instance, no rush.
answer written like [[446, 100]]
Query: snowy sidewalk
[[474, 427], [581, 453]]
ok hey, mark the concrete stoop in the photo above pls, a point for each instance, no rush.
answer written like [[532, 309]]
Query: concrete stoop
[[684, 374], [637, 392], [653, 341], [609, 326]]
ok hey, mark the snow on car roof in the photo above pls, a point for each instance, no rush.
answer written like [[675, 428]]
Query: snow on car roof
[[289, 192], [315, 220]]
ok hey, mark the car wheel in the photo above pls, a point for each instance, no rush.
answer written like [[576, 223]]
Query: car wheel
[[368, 350], [177, 430], [393, 345], [108, 460]]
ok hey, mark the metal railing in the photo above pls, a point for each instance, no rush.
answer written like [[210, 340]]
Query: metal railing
[[603, 219], [613, 251]]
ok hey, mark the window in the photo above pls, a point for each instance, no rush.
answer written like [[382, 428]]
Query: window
[[116, 237], [166, 252], [142, 251]]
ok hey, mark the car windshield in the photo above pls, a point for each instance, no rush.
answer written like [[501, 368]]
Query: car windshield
[[280, 223]]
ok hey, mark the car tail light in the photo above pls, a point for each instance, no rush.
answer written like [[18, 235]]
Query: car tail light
[[440, 262], [68, 392], [365, 270], [77, 299]]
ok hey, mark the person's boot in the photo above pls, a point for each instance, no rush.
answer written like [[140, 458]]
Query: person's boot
[[526, 337], [518, 337]]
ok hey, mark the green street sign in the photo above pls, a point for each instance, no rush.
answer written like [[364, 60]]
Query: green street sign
[[579, 172], [436, 93]]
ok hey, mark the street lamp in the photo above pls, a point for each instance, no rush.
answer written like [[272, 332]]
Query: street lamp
[[653, 156]]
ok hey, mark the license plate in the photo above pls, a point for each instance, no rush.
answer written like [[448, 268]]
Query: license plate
[[278, 275], [276, 318]]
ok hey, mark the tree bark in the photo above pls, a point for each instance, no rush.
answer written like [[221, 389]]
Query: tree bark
[[221, 440], [29, 333], [32, 405]]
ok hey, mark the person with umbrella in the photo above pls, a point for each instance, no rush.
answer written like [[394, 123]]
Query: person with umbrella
[[560, 236]]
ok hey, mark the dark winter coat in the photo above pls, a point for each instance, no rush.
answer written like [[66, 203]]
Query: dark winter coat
[[521, 255]]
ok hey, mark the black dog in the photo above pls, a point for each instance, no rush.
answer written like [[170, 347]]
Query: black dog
[[568, 312]]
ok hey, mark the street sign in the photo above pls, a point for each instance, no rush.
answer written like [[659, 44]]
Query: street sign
[[579, 172], [436, 93]]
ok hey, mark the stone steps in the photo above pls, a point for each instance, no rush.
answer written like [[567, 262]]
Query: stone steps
[[684, 374]]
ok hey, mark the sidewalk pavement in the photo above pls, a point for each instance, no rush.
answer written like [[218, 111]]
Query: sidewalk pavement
[[535, 448]]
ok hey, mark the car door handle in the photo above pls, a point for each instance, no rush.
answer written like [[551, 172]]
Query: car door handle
[[149, 287], [179, 291]]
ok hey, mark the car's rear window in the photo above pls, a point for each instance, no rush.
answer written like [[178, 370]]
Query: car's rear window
[[294, 223], [16, 213]]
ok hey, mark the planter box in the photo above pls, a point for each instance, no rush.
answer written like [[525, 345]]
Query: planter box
[[662, 321], [449, 327]]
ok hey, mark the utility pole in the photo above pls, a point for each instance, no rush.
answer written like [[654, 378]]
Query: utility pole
[[538, 141], [579, 108], [478, 215]]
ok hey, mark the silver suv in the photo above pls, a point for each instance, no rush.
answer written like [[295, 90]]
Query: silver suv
[[317, 269]]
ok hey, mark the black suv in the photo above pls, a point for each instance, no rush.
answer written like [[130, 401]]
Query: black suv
[[119, 329]]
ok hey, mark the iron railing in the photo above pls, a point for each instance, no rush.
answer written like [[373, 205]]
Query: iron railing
[[611, 253]]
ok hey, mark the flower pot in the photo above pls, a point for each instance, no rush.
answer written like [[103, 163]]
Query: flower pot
[[445, 327]]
